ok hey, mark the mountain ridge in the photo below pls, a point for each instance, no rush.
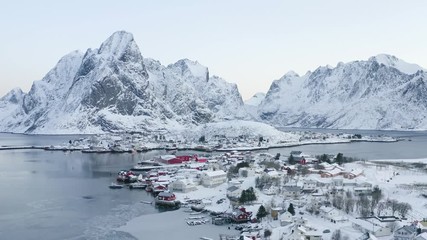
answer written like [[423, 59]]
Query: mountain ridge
[[110, 89], [335, 97], [114, 88]]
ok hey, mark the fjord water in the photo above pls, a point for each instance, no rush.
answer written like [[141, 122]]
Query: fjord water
[[412, 145], [65, 195]]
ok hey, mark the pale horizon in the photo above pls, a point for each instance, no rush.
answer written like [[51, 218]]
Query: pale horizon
[[249, 43]]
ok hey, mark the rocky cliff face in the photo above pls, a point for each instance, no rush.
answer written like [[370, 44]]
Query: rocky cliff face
[[114, 88], [383, 92]]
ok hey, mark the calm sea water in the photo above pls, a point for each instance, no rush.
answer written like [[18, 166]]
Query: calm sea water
[[62, 195], [412, 147]]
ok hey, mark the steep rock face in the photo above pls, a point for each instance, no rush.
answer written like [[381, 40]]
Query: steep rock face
[[114, 88], [193, 95], [381, 93]]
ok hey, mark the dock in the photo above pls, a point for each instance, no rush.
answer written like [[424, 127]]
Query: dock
[[22, 147]]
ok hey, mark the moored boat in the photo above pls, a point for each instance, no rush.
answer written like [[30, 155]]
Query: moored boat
[[137, 185], [115, 186], [198, 207]]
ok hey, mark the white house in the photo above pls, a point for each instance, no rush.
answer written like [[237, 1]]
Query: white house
[[300, 232], [291, 191], [234, 192], [354, 173], [372, 228], [332, 214], [183, 185], [295, 234], [286, 218], [422, 236], [188, 173], [405, 233], [310, 185], [213, 178]]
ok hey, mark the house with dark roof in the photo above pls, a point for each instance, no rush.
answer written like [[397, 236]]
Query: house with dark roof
[[408, 232], [234, 192]]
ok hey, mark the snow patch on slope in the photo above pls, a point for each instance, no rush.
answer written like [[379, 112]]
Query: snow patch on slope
[[236, 128], [256, 99], [394, 62]]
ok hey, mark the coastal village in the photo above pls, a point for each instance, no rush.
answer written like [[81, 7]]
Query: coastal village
[[292, 197], [253, 194], [233, 184]]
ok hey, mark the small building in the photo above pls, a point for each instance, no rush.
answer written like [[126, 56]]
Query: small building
[[213, 178], [183, 185], [332, 214], [353, 173], [286, 218], [367, 236], [241, 215], [331, 173], [309, 186], [296, 154], [169, 159], [302, 232], [188, 173], [185, 158], [275, 212], [291, 191], [372, 228], [422, 236], [234, 192], [405, 233], [160, 187]]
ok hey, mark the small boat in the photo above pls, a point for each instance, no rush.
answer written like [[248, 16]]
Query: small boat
[[205, 238], [198, 207], [146, 202], [115, 186], [137, 185]]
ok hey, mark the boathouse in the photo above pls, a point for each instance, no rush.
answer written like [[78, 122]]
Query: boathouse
[[169, 159]]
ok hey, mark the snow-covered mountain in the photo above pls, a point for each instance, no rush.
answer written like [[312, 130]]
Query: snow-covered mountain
[[383, 92], [113, 88], [251, 105], [256, 99]]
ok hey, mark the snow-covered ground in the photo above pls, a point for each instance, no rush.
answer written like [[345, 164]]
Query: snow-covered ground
[[402, 183]]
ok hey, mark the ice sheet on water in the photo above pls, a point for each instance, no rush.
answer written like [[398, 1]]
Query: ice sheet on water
[[102, 227]]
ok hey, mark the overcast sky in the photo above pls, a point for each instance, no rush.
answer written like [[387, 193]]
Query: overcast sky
[[250, 43]]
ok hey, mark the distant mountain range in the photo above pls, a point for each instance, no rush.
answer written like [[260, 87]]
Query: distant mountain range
[[113, 88], [383, 92]]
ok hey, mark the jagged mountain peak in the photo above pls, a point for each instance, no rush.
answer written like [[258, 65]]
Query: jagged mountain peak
[[117, 44], [290, 74], [13, 96], [191, 67], [113, 88], [394, 62], [384, 88]]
